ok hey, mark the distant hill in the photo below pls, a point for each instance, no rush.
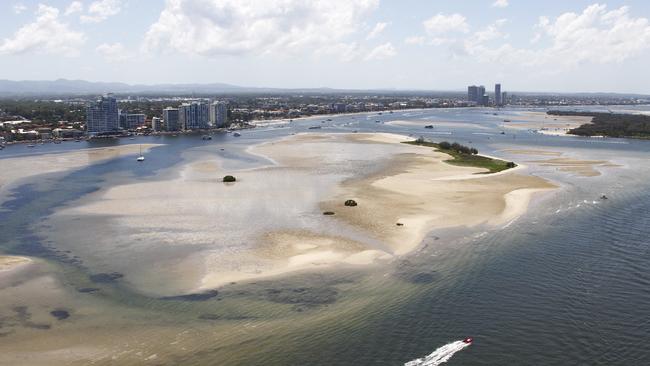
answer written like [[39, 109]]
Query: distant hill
[[67, 87]]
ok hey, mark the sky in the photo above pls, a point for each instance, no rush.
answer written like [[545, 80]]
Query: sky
[[546, 46]]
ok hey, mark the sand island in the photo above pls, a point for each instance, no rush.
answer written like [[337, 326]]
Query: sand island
[[202, 234]]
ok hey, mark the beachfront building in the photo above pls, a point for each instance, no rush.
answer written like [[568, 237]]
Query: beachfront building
[[472, 93], [219, 114], [102, 116], [170, 119], [497, 95], [194, 116], [156, 124], [131, 121]]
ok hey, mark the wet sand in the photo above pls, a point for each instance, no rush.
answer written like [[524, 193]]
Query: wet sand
[[10, 263], [543, 123], [580, 167]]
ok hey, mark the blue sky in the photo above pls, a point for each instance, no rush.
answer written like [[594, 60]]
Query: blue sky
[[409, 44]]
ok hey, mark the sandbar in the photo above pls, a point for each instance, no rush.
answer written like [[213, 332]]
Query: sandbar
[[270, 222], [543, 123]]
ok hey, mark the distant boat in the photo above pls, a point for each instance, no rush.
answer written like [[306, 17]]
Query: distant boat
[[206, 137], [428, 126], [141, 157], [31, 145], [236, 134], [314, 128], [507, 120]]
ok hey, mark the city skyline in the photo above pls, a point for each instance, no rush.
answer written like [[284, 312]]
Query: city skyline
[[584, 46]]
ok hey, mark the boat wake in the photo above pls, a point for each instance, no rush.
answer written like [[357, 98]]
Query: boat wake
[[442, 354]]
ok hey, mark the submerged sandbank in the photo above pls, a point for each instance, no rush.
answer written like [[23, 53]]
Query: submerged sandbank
[[436, 124], [16, 169], [270, 222]]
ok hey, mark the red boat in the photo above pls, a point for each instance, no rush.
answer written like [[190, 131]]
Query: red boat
[[468, 340]]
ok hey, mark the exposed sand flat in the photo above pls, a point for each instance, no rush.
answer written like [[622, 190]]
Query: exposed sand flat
[[8, 263], [435, 124], [585, 168], [546, 124], [532, 152], [203, 233], [416, 195], [16, 169]]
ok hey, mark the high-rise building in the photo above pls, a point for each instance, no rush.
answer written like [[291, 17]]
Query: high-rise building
[[485, 100], [170, 118], [131, 121], [497, 95], [102, 116], [472, 93], [504, 98], [156, 124], [219, 114], [194, 116], [481, 96]]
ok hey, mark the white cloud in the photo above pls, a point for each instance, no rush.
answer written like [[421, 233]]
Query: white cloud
[[74, 7], [100, 10], [45, 34], [19, 8], [219, 27], [379, 27], [441, 24], [500, 4], [491, 32], [344, 51], [113, 52], [415, 40], [594, 36], [381, 52]]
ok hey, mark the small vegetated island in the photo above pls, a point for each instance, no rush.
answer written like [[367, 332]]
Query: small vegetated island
[[465, 156], [610, 124]]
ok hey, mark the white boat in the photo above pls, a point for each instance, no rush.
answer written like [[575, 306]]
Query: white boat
[[442, 354], [141, 157]]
